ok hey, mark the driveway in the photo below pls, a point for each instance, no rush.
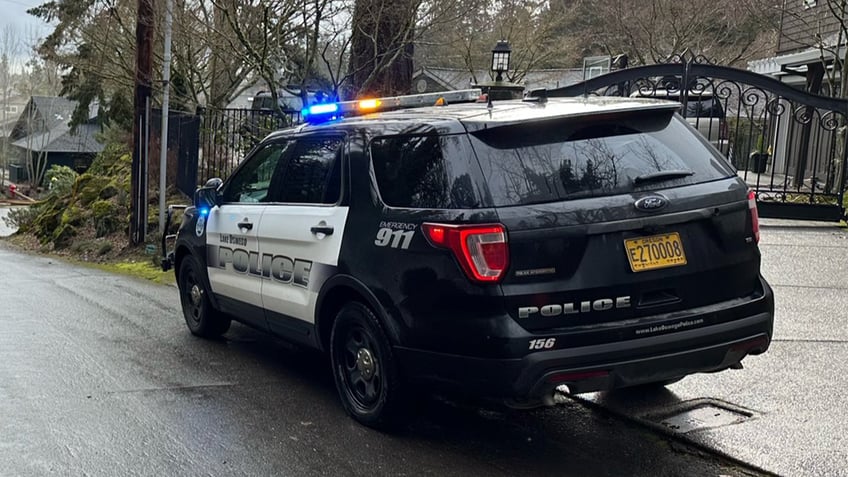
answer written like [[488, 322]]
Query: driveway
[[785, 412]]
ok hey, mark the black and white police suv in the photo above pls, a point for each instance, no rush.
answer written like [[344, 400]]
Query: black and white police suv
[[516, 250]]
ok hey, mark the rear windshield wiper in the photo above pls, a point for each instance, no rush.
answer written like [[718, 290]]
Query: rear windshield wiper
[[662, 176]]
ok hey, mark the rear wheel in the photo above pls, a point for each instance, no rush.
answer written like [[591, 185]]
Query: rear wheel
[[364, 368], [202, 319]]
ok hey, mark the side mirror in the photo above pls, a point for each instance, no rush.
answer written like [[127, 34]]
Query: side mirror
[[208, 196]]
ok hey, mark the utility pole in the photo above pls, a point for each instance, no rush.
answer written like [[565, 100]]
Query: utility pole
[[163, 137], [6, 132], [143, 89]]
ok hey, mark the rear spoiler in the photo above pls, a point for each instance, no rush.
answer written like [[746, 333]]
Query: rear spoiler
[[627, 110]]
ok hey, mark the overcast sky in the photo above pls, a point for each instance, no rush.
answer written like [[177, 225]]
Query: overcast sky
[[13, 13]]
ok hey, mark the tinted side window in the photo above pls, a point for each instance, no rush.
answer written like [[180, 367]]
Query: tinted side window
[[547, 163], [251, 182], [425, 171], [313, 173]]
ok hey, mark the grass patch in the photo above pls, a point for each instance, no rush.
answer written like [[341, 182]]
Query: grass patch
[[143, 270], [133, 262]]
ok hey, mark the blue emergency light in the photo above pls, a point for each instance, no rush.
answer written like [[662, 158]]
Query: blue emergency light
[[320, 112]]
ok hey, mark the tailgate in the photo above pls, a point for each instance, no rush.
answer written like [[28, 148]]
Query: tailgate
[[594, 261], [616, 218]]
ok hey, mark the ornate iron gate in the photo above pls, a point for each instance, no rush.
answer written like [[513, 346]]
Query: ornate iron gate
[[227, 135], [788, 145]]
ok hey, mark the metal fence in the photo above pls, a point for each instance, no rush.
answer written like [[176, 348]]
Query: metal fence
[[788, 145], [227, 135]]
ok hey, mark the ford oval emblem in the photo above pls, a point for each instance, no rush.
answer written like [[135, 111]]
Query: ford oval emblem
[[651, 203]]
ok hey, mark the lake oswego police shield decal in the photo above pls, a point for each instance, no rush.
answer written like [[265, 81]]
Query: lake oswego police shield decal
[[200, 227]]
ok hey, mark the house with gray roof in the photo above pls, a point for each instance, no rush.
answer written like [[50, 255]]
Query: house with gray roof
[[12, 105], [431, 79], [43, 130]]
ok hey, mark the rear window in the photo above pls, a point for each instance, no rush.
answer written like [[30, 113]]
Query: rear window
[[555, 161], [412, 171]]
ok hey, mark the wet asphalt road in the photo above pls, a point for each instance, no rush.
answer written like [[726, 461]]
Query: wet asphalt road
[[99, 376]]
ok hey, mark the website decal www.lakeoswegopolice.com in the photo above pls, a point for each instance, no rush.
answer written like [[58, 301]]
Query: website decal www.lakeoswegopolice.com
[[674, 327]]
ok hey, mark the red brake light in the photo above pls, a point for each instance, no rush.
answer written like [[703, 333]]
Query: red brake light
[[755, 216], [481, 250]]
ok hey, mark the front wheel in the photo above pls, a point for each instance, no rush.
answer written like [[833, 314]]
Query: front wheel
[[364, 368], [202, 319]]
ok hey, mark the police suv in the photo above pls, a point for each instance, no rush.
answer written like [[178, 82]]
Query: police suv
[[516, 250]]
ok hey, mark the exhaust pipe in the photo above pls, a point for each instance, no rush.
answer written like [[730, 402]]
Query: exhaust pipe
[[560, 394]]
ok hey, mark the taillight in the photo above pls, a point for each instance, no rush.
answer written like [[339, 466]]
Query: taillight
[[723, 132], [755, 216], [481, 250]]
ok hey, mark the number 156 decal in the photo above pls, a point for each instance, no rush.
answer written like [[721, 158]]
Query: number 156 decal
[[543, 343], [387, 237]]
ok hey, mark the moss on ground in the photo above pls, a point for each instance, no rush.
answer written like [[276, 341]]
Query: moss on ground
[[144, 270]]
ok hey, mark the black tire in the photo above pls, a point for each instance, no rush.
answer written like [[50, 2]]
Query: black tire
[[364, 368], [201, 318]]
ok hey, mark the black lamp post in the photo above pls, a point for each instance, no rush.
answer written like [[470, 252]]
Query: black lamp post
[[500, 89], [500, 59]]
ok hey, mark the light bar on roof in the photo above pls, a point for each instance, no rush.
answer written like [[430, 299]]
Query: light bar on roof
[[373, 105], [329, 111]]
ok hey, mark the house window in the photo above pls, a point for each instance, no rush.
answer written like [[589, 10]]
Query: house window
[[809, 3], [11, 109]]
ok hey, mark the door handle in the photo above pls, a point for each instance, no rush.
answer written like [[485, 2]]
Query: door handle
[[245, 225], [322, 229]]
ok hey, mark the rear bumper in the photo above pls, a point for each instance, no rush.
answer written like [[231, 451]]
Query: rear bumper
[[533, 378]]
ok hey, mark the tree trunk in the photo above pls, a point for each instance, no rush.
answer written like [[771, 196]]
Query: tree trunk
[[382, 49]]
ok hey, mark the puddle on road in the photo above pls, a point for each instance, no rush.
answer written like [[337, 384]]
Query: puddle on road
[[700, 414]]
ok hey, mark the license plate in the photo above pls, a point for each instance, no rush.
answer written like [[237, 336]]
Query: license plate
[[656, 251]]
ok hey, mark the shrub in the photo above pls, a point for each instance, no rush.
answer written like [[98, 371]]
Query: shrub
[[105, 248], [114, 153], [72, 215], [21, 218], [60, 180], [106, 218], [64, 235], [82, 246]]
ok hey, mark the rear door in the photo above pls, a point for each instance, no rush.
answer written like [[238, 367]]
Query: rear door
[[616, 221], [301, 233]]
